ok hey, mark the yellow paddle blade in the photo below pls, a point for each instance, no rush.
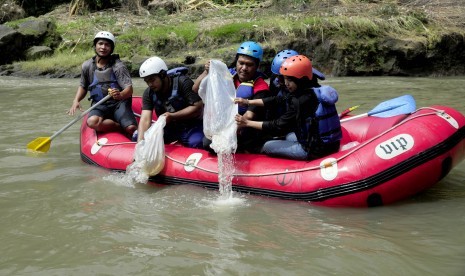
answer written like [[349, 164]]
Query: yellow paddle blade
[[41, 144]]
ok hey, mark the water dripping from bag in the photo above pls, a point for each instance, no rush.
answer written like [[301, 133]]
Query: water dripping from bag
[[225, 147]]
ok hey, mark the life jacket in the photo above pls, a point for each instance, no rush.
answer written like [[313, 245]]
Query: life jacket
[[317, 74], [329, 125], [102, 80], [245, 89], [281, 108], [174, 102], [324, 127]]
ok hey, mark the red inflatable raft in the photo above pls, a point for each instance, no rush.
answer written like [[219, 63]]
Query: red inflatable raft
[[390, 159]]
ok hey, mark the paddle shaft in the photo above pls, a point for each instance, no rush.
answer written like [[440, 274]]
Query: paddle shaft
[[354, 117], [347, 111], [388, 108], [79, 117]]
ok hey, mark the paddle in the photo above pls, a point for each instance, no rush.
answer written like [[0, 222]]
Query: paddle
[[347, 111], [397, 106], [42, 144]]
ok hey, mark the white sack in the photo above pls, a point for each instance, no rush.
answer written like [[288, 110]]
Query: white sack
[[149, 153], [218, 92]]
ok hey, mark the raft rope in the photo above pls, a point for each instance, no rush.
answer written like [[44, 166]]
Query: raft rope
[[325, 165], [114, 144]]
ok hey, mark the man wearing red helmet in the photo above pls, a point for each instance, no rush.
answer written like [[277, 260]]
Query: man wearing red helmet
[[106, 74]]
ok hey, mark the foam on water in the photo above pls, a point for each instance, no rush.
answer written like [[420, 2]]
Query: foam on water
[[121, 179], [137, 172], [222, 203], [16, 150], [231, 201]]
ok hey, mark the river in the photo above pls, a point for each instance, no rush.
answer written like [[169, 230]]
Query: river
[[60, 216]]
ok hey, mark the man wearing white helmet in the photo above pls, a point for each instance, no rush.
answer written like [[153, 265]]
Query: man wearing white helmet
[[170, 94], [102, 74]]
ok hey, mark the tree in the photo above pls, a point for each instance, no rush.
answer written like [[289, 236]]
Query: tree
[[39, 7]]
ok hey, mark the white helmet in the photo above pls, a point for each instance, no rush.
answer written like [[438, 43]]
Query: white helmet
[[153, 65], [105, 35]]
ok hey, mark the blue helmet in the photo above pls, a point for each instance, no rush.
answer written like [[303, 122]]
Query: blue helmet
[[279, 58], [252, 49]]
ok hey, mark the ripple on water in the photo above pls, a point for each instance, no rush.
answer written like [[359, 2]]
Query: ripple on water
[[220, 203], [120, 179]]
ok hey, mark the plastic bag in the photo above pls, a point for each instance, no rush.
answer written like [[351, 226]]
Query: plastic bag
[[149, 153], [218, 92]]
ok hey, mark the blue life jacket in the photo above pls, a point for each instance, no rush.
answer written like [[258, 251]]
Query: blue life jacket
[[325, 127], [245, 89], [317, 74], [329, 125], [175, 102], [102, 80]]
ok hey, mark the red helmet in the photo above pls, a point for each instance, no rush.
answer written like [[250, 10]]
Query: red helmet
[[298, 66]]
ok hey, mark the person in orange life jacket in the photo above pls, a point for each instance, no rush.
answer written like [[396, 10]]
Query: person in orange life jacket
[[102, 74], [304, 140], [171, 96], [250, 84]]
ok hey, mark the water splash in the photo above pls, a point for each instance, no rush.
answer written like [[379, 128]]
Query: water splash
[[17, 150], [121, 179], [225, 175], [225, 145], [220, 204], [137, 173], [229, 202]]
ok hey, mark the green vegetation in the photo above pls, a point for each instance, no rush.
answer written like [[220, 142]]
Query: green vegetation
[[216, 26], [16, 23], [59, 62]]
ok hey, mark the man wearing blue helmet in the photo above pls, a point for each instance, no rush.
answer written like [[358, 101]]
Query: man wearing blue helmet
[[250, 84]]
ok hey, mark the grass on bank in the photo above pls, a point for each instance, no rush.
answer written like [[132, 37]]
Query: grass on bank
[[213, 31], [58, 62]]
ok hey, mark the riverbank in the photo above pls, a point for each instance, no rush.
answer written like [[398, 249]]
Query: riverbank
[[343, 38]]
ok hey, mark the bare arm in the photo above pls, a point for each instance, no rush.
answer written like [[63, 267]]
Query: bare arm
[[80, 94], [199, 79], [144, 124], [121, 95], [249, 115], [246, 102], [242, 121], [192, 111]]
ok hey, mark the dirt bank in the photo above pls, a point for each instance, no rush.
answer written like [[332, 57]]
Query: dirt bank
[[369, 38]]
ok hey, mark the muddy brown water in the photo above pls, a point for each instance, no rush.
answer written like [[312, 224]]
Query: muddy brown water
[[60, 216]]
